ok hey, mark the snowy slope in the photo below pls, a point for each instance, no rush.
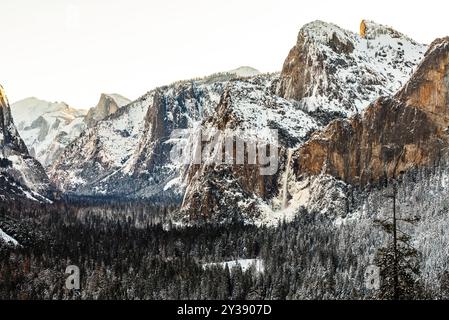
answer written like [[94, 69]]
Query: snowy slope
[[7, 239], [119, 99]]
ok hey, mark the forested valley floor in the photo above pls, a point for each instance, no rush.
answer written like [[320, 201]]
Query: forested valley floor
[[129, 251]]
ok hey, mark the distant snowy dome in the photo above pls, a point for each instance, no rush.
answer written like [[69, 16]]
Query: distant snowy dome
[[2, 95], [245, 71]]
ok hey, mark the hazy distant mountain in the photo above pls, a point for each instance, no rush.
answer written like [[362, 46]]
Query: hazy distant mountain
[[48, 127], [244, 72]]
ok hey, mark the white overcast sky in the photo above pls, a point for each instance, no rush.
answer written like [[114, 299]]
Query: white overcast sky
[[72, 50]]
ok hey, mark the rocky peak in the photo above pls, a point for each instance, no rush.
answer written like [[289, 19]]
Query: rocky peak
[[107, 105], [323, 33], [333, 69]]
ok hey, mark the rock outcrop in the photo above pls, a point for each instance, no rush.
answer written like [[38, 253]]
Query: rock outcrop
[[247, 112], [107, 105]]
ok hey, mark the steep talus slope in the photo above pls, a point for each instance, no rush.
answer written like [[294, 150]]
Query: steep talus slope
[[47, 127], [393, 135], [21, 176]]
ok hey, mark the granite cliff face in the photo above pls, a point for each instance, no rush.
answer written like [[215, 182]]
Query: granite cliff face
[[10, 140], [393, 135], [247, 110]]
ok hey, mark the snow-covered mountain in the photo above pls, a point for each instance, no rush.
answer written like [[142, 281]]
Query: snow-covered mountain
[[21, 176], [330, 73], [127, 153], [48, 127], [359, 128]]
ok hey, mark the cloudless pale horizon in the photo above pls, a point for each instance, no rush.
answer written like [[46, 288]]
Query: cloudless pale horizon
[[74, 50]]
